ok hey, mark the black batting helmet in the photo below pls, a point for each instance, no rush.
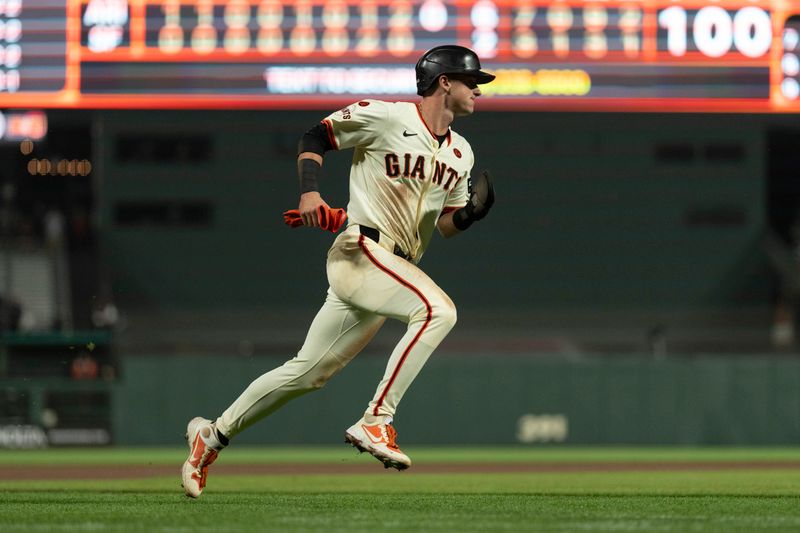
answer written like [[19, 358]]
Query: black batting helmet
[[448, 59]]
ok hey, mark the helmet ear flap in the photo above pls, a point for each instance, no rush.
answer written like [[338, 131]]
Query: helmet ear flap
[[426, 75], [428, 78], [435, 82]]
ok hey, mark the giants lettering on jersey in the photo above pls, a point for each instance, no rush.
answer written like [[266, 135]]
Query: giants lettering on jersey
[[443, 175]]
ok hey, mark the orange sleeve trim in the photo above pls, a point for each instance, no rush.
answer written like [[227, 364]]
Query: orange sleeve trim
[[331, 137]]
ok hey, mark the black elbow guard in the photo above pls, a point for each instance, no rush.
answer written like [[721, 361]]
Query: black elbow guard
[[315, 140]]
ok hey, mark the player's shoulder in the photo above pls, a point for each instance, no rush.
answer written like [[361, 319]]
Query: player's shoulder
[[370, 102], [377, 109], [399, 109], [392, 112], [368, 106]]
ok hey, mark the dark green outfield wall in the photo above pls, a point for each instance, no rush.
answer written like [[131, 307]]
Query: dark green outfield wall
[[596, 214], [489, 399], [593, 211]]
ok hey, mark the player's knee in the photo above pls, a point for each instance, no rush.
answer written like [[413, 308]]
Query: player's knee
[[444, 312], [316, 378], [317, 383], [310, 383]]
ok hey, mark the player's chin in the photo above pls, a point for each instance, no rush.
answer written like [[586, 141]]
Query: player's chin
[[466, 109]]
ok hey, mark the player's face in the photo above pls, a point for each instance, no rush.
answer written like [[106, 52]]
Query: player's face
[[463, 92]]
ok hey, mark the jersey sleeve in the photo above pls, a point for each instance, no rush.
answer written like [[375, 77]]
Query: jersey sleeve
[[359, 124]]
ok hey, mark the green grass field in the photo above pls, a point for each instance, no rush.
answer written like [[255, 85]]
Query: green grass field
[[652, 490]]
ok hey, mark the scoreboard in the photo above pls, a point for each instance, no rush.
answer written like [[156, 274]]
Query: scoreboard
[[612, 55]]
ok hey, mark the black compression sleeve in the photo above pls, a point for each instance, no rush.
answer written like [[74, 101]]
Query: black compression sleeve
[[308, 169], [315, 140]]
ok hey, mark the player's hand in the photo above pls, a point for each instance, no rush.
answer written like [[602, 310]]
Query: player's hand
[[322, 217], [482, 198], [310, 203]]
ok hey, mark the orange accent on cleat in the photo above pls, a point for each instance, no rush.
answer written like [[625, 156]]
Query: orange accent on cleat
[[380, 440], [203, 451]]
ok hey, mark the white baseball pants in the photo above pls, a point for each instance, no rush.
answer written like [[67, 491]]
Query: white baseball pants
[[368, 284]]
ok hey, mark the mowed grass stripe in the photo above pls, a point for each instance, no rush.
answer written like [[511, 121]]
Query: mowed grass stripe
[[356, 512], [420, 455], [661, 501], [751, 483]]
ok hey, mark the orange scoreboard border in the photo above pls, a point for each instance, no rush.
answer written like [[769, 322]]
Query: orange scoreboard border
[[138, 51]]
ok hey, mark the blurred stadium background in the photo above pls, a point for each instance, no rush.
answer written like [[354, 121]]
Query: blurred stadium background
[[636, 284]]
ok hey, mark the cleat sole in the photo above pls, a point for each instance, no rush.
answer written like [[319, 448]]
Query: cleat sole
[[387, 463], [354, 443]]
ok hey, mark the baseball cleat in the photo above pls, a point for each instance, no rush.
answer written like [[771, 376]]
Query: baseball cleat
[[204, 448], [379, 441]]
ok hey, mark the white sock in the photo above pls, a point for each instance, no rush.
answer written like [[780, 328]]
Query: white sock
[[372, 420]]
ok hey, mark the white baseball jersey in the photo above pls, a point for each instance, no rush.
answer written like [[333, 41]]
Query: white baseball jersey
[[401, 180]]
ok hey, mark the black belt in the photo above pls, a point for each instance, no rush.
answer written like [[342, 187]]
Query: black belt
[[375, 235]]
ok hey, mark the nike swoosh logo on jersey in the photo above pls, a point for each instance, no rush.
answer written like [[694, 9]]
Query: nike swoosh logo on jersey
[[406, 134]]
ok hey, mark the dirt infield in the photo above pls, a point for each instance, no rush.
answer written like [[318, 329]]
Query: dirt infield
[[50, 472]]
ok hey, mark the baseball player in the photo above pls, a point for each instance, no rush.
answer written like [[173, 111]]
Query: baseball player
[[409, 176]]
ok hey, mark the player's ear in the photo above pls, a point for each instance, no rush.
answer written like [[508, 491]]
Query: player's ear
[[444, 83], [440, 81]]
